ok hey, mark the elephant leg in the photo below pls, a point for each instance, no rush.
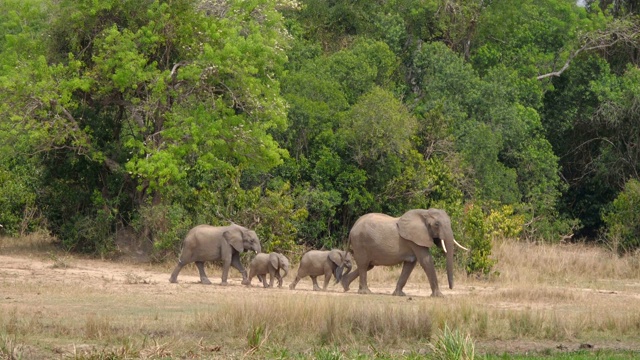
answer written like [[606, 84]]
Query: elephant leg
[[203, 276], [407, 268], [426, 261], [362, 273], [347, 280], [315, 283], [272, 275], [279, 277], [292, 286], [235, 262], [327, 277], [225, 272], [263, 280], [176, 271]]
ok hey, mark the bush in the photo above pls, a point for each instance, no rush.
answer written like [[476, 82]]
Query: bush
[[91, 233], [622, 219], [167, 225], [477, 233], [504, 224], [453, 345]]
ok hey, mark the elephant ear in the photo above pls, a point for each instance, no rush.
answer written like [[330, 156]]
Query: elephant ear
[[336, 257], [234, 238], [273, 259], [283, 260], [412, 226]]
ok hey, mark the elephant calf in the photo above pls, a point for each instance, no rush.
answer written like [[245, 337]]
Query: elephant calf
[[271, 263], [317, 262]]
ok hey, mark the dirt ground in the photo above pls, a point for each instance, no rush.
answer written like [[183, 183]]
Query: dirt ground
[[32, 283]]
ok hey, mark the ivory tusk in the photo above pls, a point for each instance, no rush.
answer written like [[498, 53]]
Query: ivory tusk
[[444, 247], [461, 247]]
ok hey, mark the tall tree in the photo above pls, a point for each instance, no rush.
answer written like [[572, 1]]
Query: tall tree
[[146, 102]]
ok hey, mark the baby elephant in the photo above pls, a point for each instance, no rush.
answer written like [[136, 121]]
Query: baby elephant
[[318, 262], [271, 263]]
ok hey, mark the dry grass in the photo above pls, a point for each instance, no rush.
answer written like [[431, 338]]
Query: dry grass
[[529, 263], [544, 295]]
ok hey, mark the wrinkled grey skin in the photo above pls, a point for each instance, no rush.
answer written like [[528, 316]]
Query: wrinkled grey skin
[[271, 263], [379, 239], [318, 262], [212, 243]]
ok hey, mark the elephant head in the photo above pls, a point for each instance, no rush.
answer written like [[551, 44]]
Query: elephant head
[[279, 261], [242, 239], [429, 227], [342, 259]]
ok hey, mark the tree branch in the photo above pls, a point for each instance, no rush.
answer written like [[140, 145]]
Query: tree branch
[[619, 32]]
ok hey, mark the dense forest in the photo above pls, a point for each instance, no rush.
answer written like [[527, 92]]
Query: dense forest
[[147, 117]]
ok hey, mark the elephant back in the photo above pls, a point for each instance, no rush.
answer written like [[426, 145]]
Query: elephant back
[[372, 228]]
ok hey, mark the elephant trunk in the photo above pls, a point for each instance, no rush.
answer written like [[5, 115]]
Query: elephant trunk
[[348, 270], [337, 273], [285, 271], [449, 254]]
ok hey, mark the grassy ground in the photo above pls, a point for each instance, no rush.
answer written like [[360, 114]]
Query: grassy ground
[[563, 301]]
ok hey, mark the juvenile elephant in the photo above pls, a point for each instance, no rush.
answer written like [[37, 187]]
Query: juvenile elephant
[[271, 263], [318, 262], [211, 243], [378, 239]]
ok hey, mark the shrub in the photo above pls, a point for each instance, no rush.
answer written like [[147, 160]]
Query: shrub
[[478, 236], [503, 223], [452, 345], [622, 219]]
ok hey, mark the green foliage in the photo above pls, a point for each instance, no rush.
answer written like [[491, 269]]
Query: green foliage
[[452, 345], [623, 219], [256, 336], [376, 127], [503, 223], [511, 33], [500, 139], [296, 118], [478, 237], [18, 211], [134, 98], [279, 216], [167, 224]]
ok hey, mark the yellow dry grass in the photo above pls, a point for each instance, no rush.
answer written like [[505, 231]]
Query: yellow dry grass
[[53, 305]]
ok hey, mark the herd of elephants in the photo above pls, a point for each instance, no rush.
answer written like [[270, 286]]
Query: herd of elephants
[[374, 240]]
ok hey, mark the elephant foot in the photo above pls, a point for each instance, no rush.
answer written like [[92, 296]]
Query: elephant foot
[[399, 293], [316, 288], [436, 293], [205, 281], [173, 280], [224, 283], [292, 286], [246, 282], [364, 291]]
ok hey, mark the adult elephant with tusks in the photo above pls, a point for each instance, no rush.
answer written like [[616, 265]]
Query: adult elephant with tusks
[[212, 243], [379, 239]]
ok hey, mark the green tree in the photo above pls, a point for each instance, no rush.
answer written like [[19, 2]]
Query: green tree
[[500, 138], [139, 104], [622, 218]]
